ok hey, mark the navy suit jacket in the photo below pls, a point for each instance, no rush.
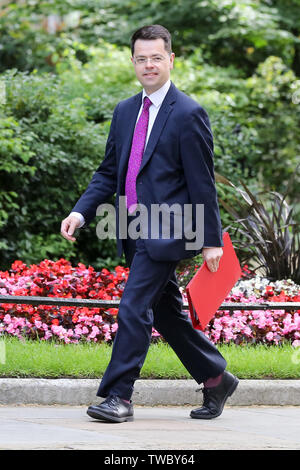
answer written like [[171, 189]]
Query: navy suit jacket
[[177, 168]]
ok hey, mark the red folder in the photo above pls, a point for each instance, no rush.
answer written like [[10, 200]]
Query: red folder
[[207, 290]]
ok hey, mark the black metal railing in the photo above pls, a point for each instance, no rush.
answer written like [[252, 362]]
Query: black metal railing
[[97, 303]]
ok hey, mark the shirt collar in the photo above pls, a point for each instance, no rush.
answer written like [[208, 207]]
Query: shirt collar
[[158, 96]]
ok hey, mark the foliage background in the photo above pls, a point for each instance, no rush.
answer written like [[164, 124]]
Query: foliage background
[[64, 65]]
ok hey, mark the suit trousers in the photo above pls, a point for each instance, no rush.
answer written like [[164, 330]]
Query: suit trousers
[[152, 298]]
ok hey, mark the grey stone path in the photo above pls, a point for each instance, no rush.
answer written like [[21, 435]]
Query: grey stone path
[[163, 427]]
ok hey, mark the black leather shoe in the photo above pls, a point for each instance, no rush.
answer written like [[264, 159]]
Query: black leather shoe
[[215, 398], [113, 409]]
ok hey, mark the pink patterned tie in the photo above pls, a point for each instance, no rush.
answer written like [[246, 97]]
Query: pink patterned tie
[[136, 154]]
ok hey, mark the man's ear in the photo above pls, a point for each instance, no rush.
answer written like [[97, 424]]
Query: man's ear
[[172, 57]]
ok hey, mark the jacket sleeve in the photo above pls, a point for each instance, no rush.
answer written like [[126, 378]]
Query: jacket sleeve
[[104, 181], [196, 145]]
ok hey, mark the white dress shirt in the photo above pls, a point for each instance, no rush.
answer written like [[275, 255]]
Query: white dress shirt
[[156, 99]]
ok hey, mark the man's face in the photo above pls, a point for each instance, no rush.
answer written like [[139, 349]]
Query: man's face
[[154, 73]]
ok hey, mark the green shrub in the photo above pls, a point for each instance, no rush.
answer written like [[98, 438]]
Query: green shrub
[[272, 238], [253, 30], [48, 151]]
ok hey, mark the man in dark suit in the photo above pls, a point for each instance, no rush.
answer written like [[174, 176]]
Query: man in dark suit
[[159, 154]]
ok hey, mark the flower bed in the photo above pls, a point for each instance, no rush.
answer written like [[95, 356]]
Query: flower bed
[[74, 324], [258, 326], [60, 279]]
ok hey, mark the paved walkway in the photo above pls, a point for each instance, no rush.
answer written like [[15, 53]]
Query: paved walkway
[[65, 427]]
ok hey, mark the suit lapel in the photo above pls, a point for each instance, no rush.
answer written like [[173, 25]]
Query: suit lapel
[[159, 123]]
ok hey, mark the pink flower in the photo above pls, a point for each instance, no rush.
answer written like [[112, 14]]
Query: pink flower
[[98, 318], [48, 334], [95, 332], [228, 334], [78, 330], [107, 336], [270, 336], [7, 319], [247, 331]]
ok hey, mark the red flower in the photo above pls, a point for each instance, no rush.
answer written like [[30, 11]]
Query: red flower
[[18, 266], [269, 290], [112, 311]]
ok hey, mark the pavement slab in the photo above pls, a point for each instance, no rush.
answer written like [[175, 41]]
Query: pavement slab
[[154, 428]]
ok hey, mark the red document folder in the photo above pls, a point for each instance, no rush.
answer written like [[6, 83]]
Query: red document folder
[[207, 290]]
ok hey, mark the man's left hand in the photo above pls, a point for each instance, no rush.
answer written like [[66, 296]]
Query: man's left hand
[[212, 257]]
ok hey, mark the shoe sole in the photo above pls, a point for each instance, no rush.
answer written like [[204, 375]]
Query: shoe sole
[[106, 417], [228, 394]]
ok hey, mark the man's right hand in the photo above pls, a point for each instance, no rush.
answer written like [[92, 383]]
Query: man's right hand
[[68, 227]]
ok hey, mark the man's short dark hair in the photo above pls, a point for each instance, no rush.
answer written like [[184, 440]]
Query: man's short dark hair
[[154, 31]]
